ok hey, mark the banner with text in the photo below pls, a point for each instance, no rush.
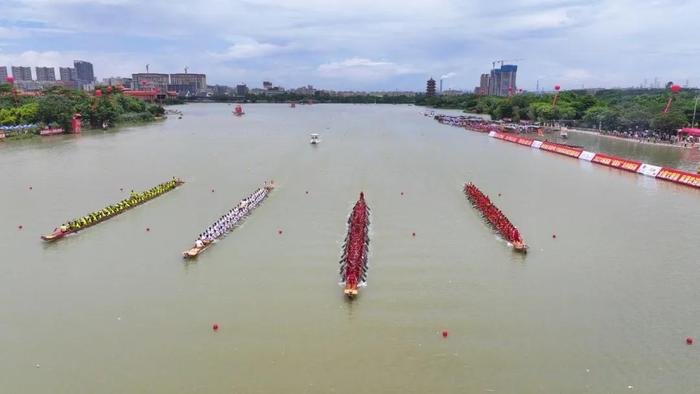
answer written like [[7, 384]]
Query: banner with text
[[586, 155], [525, 141], [679, 176], [561, 149], [616, 162], [649, 170]]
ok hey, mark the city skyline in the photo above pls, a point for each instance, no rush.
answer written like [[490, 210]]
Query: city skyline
[[384, 45]]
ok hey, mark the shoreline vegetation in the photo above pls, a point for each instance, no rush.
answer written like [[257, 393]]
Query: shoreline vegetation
[[620, 112], [630, 114], [55, 106]]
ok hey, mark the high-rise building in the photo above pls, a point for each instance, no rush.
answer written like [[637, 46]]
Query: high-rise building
[[3, 74], [241, 90], [69, 77], [45, 73], [22, 73], [149, 81], [67, 74], [188, 83], [430, 88], [267, 85], [502, 80], [484, 84], [84, 72]]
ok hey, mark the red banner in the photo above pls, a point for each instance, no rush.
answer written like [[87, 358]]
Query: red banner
[[525, 141], [616, 162], [679, 176], [561, 149], [510, 138], [500, 136]]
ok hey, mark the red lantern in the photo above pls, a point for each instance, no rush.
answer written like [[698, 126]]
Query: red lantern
[[557, 87], [10, 80], [675, 88], [109, 89], [98, 92]]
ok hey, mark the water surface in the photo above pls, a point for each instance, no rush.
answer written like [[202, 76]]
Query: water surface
[[114, 309]]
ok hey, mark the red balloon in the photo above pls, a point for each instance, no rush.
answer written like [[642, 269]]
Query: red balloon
[[557, 87], [98, 92], [675, 88], [10, 79]]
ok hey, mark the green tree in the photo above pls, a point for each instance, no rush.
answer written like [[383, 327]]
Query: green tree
[[54, 109], [668, 123]]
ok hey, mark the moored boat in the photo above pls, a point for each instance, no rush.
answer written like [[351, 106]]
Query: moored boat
[[111, 211]]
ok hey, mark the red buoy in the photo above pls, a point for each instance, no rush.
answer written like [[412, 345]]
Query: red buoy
[[19, 227], [212, 190], [444, 333], [307, 192], [279, 232], [148, 229], [554, 235], [689, 340], [402, 193], [414, 234], [215, 327], [30, 188]]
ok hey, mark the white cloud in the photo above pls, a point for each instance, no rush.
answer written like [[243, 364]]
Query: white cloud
[[249, 48], [363, 69]]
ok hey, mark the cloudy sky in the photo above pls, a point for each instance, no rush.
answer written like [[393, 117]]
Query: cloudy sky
[[362, 44]]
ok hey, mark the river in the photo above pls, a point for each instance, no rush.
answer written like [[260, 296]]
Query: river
[[603, 307]]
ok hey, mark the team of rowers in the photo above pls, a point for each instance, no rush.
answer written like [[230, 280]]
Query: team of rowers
[[494, 215], [231, 218], [111, 210], [353, 263]]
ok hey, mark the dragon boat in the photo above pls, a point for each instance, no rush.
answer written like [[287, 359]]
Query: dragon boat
[[495, 217], [202, 245], [353, 263], [112, 210]]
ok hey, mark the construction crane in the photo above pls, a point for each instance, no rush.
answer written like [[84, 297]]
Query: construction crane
[[493, 64]]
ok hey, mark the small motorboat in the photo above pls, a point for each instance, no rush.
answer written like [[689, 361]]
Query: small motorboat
[[315, 139]]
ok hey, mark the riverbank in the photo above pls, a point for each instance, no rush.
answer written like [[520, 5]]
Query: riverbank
[[636, 140], [126, 123]]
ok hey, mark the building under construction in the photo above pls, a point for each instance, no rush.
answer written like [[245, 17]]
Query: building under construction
[[500, 82]]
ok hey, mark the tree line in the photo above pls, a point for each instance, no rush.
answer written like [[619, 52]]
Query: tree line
[[624, 110], [55, 106]]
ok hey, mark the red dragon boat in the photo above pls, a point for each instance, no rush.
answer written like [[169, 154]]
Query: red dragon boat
[[238, 111], [495, 217], [353, 263]]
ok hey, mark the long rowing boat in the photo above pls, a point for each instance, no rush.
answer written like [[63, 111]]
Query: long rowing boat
[[63, 230], [244, 208], [495, 217], [353, 263]]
